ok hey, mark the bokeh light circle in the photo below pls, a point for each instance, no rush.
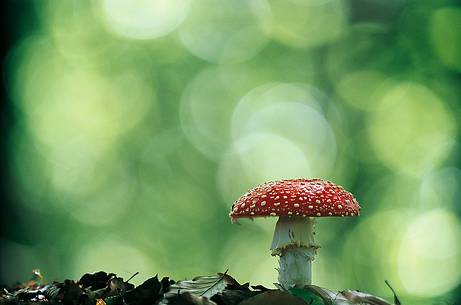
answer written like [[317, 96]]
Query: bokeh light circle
[[441, 188], [145, 19], [308, 23], [445, 36], [106, 205], [411, 130], [263, 264], [364, 263], [207, 105], [258, 158], [225, 31], [291, 111], [363, 89], [429, 257], [278, 131], [78, 32], [75, 115], [114, 254]]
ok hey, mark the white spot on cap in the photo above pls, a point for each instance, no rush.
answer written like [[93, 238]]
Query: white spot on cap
[[318, 214], [273, 214], [263, 196], [317, 201], [296, 205], [289, 213], [276, 203], [252, 213], [340, 206], [263, 203], [310, 207]]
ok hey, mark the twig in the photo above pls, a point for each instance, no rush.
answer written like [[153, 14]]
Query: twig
[[215, 283], [132, 276]]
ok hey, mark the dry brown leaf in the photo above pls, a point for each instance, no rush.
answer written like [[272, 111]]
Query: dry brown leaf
[[100, 302]]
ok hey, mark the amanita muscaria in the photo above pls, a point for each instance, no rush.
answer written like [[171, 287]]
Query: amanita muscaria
[[296, 203]]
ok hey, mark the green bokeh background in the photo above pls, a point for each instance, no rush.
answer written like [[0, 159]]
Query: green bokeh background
[[138, 123]]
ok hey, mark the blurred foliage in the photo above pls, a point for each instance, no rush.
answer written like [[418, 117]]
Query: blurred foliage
[[137, 123]]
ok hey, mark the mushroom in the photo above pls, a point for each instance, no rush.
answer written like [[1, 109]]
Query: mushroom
[[296, 203]]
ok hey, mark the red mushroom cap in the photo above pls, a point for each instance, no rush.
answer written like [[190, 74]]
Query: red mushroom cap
[[299, 197]]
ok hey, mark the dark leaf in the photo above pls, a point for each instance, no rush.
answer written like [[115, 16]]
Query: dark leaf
[[187, 298], [233, 297], [166, 283], [70, 293], [234, 293], [147, 293], [260, 287], [96, 281], [114, 300], [274, 297], [117, 285]]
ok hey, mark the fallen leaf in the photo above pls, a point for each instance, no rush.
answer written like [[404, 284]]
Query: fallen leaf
[[234, 296], [95, 281], [357, 297], [147, 293], [274, 297], [187, 298], [100, 302], [117, 285], [70, 293], [206, 286], [260, 287], [328, 296]]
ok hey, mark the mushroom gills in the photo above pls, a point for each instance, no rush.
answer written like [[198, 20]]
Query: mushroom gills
[[290, 231]]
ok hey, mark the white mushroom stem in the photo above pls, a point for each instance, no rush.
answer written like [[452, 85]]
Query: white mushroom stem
[[294, 242]]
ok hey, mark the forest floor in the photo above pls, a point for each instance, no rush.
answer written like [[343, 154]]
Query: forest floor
[[103, 288]]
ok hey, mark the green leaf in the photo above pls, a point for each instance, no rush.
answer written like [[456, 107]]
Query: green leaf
[[307, 295]]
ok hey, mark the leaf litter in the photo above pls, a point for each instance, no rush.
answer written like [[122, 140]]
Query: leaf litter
[[103, 288]]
